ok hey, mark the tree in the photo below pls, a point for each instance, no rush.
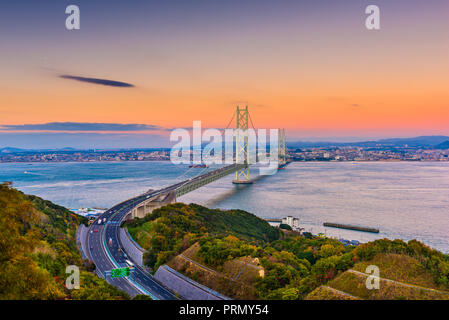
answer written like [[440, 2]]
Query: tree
[[142, 297]]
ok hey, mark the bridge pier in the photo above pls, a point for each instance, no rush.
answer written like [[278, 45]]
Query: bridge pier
[[152, 203], [242, 181]]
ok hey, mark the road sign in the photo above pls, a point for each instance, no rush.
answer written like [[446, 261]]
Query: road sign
[[120, 272]]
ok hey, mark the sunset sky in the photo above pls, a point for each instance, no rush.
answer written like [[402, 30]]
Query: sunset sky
[[309, 66]]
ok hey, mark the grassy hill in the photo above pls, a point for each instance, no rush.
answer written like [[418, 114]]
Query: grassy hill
[[169, 230], [234, 278], [220, 243], [37, 243], [328, 293], [240, 255], [401, 277]]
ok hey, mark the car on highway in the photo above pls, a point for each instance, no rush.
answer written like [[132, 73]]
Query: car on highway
[[129, 263]]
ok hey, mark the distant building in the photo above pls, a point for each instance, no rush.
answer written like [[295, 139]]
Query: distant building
[[291, 221]]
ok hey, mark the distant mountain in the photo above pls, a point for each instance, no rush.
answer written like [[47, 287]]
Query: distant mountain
[[11, 150], [438, 142], [416, 142], [443, 145], [68, 149], [422, 141]]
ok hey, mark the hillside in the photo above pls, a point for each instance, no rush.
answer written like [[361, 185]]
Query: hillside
[[171, 229], [443, 145], [415, 142], [401, 277], [241, 256], [215, 247], [37, 243], [407, 271], [235, 278]]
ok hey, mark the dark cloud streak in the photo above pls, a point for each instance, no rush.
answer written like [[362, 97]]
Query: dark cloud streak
[[104, 82], [82, 126]]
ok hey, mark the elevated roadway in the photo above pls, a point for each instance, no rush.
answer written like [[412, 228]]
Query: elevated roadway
[[107, 252]]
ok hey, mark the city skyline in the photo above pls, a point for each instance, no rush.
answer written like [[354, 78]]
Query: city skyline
[[312, 68]]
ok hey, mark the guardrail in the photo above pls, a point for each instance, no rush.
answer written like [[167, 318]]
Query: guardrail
[[132, 249], [80, 234], [186, 287]]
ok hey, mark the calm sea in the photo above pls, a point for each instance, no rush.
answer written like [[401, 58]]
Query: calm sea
[[405, 200]]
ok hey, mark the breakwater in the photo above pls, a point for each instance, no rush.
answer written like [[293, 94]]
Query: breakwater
[[350, 227]]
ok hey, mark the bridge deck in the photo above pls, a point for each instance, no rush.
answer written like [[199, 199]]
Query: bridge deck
[[201, 180]]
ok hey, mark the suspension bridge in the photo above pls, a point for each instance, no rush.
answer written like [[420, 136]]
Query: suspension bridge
[[241, 168], [105, 245]]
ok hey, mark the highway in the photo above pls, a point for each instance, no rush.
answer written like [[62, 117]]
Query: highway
[[107, 252]]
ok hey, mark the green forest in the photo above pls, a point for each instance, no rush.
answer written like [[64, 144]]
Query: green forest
[[37, 243]]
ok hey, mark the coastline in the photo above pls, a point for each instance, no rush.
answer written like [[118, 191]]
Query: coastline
[[167, 160]]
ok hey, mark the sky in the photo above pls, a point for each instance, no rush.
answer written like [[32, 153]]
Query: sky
[[137, 69]]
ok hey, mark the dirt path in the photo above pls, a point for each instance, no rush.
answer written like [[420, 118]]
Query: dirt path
[[400, 283], [342, 293]]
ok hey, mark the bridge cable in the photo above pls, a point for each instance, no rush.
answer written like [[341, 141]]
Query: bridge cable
[[201, 172], [251, 120], [233, 116]]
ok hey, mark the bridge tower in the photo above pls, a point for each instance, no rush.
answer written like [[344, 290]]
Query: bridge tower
[[241, 146], [281, 144]]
